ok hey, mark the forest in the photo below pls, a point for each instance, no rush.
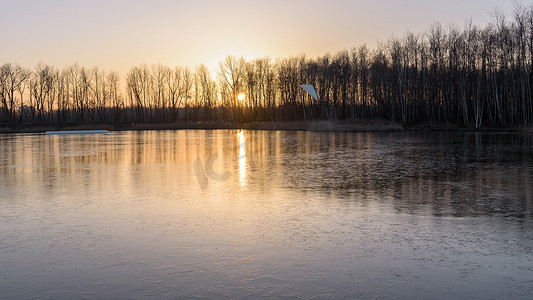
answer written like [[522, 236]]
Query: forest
[[467, 76]]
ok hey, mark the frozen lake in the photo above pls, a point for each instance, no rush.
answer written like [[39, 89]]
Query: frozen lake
[[228, 214]]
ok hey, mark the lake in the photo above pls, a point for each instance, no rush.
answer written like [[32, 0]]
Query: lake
[[273, 214]]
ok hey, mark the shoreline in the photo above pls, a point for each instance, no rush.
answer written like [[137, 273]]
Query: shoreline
[[312, 126]]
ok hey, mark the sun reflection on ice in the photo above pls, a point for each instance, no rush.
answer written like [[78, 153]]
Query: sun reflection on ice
[[242, 158]]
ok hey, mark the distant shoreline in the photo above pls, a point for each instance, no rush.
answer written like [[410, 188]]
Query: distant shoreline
[[313, 126]]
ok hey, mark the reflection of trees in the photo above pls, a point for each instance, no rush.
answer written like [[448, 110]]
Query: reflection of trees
[[132, 159], [453, 174]]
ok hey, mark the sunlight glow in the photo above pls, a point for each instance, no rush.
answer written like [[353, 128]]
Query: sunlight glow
[[240, 97], [242, 158]]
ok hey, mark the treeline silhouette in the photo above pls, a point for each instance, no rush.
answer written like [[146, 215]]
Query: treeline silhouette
[[469, 76]]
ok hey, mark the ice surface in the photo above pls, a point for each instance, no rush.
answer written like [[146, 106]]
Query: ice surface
[[60, 132], [315, 216]]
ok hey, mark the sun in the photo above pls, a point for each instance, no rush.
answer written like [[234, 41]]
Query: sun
[[240, 97]]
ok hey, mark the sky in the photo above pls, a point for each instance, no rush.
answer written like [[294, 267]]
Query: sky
[[120, 34]]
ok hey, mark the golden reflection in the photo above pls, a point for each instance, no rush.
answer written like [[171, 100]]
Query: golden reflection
[[242, 158], [163, 160]]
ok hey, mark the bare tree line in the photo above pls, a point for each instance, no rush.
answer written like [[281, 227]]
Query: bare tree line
[[469, 76]]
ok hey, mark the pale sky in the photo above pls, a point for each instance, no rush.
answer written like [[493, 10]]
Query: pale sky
[[119, 34]]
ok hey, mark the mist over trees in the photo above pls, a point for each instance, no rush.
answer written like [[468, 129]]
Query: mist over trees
[[468, 76]]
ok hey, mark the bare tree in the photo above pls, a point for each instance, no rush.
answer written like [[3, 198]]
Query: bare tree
[[230, 78], [12, 76]]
